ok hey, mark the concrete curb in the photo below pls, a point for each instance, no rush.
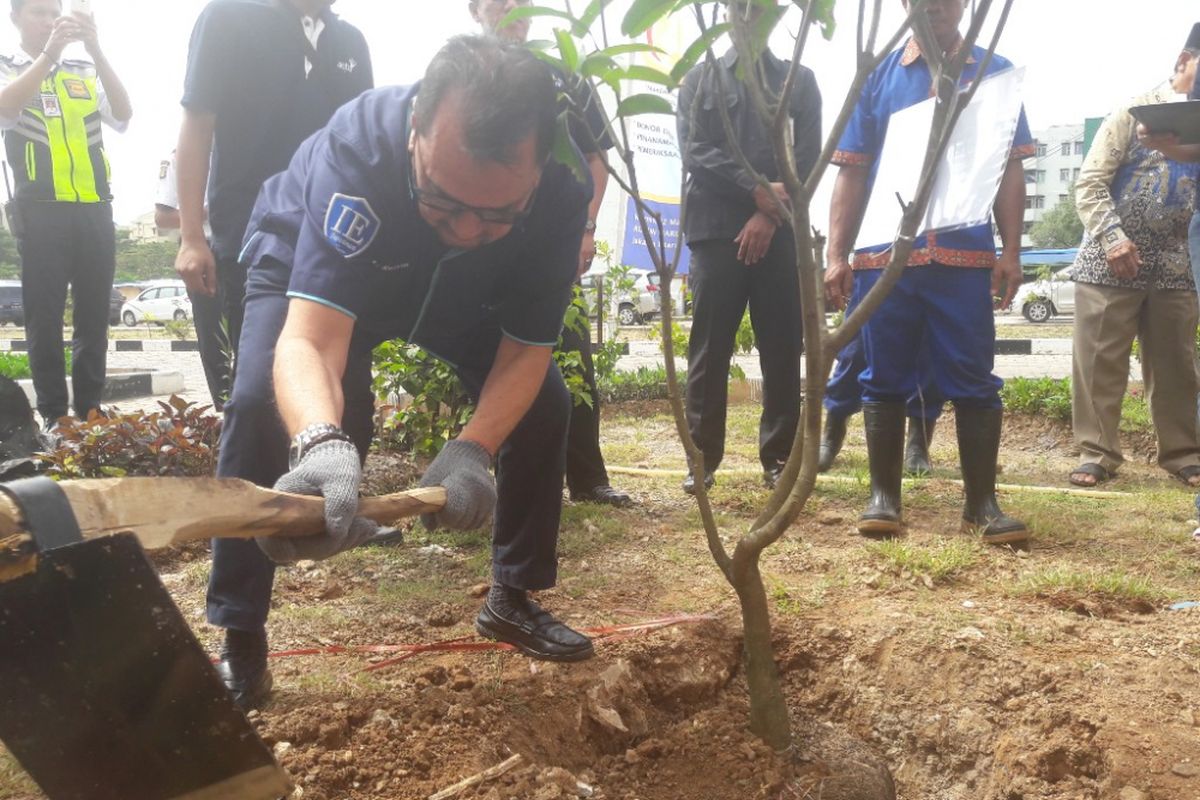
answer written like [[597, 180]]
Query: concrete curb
[[125, 385], [121, 346]]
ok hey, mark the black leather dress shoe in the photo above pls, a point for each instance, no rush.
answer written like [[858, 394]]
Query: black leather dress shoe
[[689, 483], [603, 494], [243, 668], [517, 620]]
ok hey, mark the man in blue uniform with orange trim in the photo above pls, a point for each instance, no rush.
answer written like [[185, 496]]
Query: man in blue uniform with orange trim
[[946, 292], [439, 219]]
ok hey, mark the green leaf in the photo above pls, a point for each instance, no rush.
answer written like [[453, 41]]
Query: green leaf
[[697, 49], [525, 12], [565, 151], [589, 16], [568, 50], [823, 16], [637, 104], [631, 47], [649, 75], [643, 14], [596, 64]]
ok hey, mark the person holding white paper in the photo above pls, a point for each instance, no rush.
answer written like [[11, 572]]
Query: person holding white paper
[[945, 294], [1133, 280]]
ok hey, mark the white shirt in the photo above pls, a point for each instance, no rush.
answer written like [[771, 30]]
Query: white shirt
[[167, 194], [313, 27]]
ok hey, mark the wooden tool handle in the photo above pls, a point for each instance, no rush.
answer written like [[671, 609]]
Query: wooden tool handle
[[169, 511]]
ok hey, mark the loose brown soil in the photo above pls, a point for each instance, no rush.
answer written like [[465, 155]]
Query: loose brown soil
[[1058, 674]]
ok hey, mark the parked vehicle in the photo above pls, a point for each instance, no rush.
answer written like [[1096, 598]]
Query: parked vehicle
[[165, 300], [116, 301], [640, 303], [1043, 299], [12, 304]]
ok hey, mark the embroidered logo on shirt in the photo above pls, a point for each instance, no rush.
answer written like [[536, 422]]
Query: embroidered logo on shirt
[[77, 89], [348, 66], [351, 225]]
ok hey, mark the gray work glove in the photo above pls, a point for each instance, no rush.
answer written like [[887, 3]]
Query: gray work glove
[[462, 469], [331, 470]]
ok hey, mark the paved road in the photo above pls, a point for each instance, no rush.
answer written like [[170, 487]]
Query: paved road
[[642, 354]]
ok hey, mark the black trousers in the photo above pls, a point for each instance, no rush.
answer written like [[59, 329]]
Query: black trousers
[[585, 463], [231, 294], [254, 444], [722, 287], [208, 318], [67, 245]]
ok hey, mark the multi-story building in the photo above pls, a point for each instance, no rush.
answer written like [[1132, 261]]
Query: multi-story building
[[1049, 176]]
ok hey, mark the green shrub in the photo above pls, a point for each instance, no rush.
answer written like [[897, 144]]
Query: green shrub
[[1051, 398], [16, 365], [440, 406], [1042, 397], [179, 441], [645, 383]]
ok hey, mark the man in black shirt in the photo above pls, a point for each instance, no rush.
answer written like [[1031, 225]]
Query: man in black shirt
[[262, 75], [742, 249], [587, 477]]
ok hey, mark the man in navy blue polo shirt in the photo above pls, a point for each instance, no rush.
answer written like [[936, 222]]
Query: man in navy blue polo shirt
[[262, 75], [441, 220]]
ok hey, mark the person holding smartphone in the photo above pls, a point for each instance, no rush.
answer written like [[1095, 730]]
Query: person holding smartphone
[[51, 112]]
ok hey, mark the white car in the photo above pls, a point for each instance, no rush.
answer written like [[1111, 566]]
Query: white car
[[163, 301], [1050, 297]]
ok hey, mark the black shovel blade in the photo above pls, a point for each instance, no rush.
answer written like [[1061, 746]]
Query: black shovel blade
[[105, 693]]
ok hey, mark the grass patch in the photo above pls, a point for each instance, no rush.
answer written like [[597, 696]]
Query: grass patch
[[941, 563], [588, 527], [799, 600], [15, 784], [1095, 592]]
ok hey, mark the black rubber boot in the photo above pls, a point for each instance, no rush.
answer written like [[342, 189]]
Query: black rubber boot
[[978, 450], [884, 424], [916, 449], [832, 439]]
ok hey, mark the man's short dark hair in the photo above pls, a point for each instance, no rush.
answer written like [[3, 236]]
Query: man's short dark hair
[[507, 94]]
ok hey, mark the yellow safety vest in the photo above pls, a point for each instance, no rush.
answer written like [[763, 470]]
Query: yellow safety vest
[[56, 149]]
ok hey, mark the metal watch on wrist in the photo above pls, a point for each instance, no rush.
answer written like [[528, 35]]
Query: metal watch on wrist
[[590, 227], [312, 436]]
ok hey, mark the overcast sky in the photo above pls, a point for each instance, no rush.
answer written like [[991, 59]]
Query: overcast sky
[[1083, 57]]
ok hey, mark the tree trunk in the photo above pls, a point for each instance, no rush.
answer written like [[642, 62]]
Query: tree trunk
[[769, 719]]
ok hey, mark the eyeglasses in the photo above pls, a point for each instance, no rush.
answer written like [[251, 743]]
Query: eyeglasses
[[437, 201]]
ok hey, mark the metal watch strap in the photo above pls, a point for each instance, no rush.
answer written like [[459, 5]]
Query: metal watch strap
[[310, 437]]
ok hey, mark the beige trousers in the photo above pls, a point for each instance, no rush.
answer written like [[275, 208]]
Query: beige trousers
[[1106, 321]]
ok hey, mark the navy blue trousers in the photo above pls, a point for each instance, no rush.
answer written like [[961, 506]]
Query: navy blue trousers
[[843, 395], [950, 309], [254, 444]]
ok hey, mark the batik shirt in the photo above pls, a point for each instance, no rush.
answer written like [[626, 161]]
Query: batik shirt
[[903, 80], [1127, 192]]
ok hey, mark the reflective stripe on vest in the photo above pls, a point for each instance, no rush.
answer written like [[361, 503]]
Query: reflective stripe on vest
[[71, 137]]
